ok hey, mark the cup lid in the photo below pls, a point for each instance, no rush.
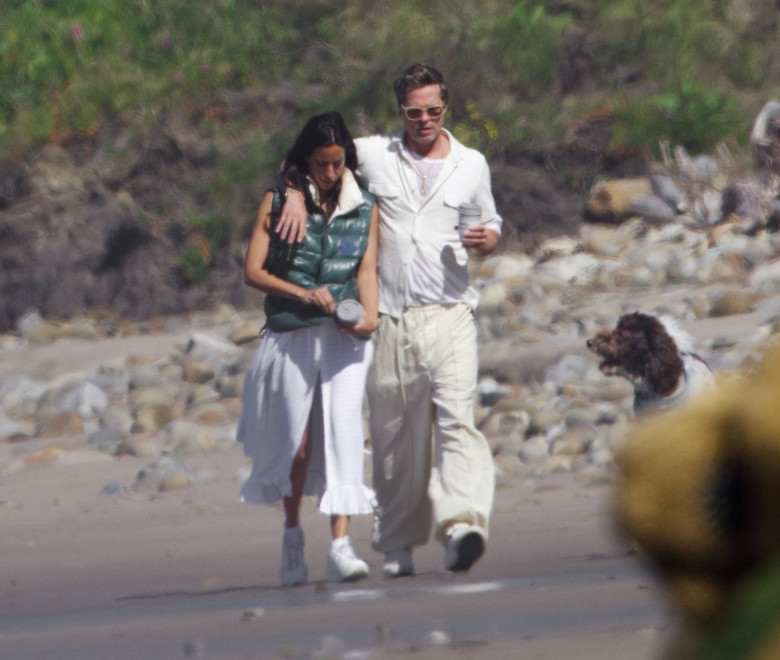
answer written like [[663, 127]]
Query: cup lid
[[469, 208], [349, 310]]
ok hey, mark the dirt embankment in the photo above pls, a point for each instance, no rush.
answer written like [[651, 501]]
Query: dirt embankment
[[121, 223]]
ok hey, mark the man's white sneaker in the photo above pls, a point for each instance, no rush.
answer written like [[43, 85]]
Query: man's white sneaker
[[342, 565], [398, 563], [465, 544], [293, 570]]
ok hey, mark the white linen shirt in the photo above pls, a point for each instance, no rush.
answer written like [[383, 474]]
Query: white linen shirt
[[421, 258]]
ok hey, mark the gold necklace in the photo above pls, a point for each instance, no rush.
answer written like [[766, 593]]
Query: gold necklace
[[423, 176]]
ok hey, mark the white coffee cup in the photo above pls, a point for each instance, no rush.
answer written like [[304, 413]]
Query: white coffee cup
[[469, 214], [348, 311]]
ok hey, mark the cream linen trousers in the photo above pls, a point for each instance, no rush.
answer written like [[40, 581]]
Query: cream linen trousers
[[430, 463]]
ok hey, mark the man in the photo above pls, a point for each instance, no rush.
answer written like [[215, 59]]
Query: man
[[430, 463]]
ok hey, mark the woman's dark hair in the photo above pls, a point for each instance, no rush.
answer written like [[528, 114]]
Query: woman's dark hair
[[320, 131], [416, 76]]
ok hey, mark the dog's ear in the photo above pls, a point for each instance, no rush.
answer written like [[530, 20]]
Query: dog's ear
[[633, 332], [663, 369], [664, 365]]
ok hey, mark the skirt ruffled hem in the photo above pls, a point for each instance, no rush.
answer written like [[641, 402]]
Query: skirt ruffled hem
[[255, 492], [348, 501]]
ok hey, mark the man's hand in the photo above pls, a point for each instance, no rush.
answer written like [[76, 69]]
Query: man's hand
[[292, 222], [480, 241]]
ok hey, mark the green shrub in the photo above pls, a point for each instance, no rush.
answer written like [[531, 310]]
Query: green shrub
[[689, 116], [193, 264], [214, 229], [84, 61], [528, 44], [66, 66]]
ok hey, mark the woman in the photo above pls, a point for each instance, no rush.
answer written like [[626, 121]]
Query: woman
[[302, 402]]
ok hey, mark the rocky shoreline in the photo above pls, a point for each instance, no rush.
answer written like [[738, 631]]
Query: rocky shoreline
[[89, 390], [690, 240]]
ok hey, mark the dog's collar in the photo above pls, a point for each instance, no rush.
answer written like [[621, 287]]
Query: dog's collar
[[645, 401]]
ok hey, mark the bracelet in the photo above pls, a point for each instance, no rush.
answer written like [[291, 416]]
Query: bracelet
[[292, 191]]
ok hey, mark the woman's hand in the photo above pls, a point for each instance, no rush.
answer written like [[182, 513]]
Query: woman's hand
[[292, 222], [320, 297], [363, 327]]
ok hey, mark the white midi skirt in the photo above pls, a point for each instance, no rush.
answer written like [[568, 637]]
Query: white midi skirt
[[315, 371]]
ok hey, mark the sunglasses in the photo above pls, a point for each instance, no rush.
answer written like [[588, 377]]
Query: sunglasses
[[415, 112]]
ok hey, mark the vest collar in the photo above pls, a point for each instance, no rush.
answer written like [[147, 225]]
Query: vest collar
[[350, 196]]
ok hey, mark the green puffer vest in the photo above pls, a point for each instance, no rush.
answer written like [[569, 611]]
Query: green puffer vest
[[328, 256]]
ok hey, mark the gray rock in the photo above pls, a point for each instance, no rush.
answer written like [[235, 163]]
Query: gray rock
[[10, 428], [573, 442], [154, 417], [30, 321], [197, 371], [652, 208], [567, 369], [206, 346], [19, 396], [62, 424], [144, 376], [491, 391], [201, 395], [766, 277], [244, 333], [508, 445], [581, 269], [115, 488], [666, 189], [140, 446], [114, 382], [534, 450], [167, 470], [144, 397], [230, 386], [209, 414], [85, 399], [108, 435], [600, 453], [116, 418], [186, 438]]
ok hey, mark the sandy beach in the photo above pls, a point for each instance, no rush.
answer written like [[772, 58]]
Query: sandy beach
[[193, 573], [96, 565]]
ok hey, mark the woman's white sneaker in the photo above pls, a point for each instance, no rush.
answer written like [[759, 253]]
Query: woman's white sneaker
[[293, 570], [342, 565]]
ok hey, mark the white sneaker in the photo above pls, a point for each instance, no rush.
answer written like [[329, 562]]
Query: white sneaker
[[465, 544], [293, 570], [398, 563], [342, 565]]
